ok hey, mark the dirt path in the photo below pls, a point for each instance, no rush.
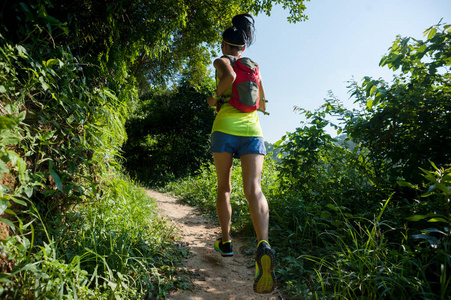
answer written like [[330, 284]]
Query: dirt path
[[214, 277]]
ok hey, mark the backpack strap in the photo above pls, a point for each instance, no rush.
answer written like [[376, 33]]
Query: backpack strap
[[232, 59]]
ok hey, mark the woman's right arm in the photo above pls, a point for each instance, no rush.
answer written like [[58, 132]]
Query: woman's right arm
[[226, 76]]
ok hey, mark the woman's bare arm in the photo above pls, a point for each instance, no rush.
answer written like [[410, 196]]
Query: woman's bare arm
[[226, 77]]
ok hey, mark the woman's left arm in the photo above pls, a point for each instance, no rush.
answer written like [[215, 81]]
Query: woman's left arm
[[226, 77]]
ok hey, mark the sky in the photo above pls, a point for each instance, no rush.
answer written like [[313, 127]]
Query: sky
[[342, 40]]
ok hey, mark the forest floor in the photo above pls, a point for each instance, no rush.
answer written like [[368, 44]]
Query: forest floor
[[212, 276]]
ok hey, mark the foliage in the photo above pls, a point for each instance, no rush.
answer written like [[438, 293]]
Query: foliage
[[166, 126], [95, 251], [70, 73], [366, 264], [354, 258], [317, 168], [58, 146], [432, 208], [407, 123], [271, 151], [341, 221], [142, 40]]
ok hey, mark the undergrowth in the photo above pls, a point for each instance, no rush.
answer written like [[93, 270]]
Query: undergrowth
[[77, 227], [326, 252], [116, 247]]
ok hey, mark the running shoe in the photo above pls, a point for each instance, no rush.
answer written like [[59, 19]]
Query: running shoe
[[225, 248], [265, 278]]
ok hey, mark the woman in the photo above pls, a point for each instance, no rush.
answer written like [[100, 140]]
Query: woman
[[237, 134]]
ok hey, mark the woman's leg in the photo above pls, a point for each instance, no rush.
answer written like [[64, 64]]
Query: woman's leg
[[223, 164], [252, 168]]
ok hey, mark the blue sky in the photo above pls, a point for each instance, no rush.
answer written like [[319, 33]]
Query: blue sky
[[341, 40]]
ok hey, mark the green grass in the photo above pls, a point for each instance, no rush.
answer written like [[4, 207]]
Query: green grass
[[117, 247], [326, 252]]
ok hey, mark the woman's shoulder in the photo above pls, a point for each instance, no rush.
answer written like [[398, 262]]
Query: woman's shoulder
[[227, 59]]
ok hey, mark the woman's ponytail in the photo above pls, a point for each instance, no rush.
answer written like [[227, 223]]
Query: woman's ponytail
[[241, 33]]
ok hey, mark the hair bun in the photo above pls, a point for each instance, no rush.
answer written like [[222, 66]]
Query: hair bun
[[243, 21], [245, 24]]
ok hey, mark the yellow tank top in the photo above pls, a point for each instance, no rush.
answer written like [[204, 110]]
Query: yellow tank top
[[232, 121]]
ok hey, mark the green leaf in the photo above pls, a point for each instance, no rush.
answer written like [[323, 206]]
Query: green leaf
[[51, 62], [437, 220], [7, 122], [405, 183], [10, 139], [109, 93], [416, 218], [443, 187], [432, 33], [422, 48], [432, 240], [3, 167], [47, 135], [439, 186], [22, 51], [21, 116], [4, 204], [44, 85], [28, 191], [369, 104], [434, 230], [57, 179], [19, 201], [24, 7], [331, 206], [8, 222], [325, 215], [373, 89], [277, 144]]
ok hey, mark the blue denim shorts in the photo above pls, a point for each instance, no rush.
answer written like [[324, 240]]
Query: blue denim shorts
[[237, 145]]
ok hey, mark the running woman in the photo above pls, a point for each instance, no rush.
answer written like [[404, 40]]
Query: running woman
[[237, 134]]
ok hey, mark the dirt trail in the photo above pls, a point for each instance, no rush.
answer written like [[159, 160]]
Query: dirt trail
[[214, 277]]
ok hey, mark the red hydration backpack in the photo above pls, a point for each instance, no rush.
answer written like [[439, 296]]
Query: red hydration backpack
[[245, 89]]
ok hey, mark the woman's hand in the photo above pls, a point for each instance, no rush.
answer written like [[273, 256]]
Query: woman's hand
[[212, 101]]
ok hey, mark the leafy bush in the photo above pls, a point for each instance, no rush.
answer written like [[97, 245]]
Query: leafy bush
[[117, 246], [430, 227], [343, 223], [59, 143], [406, 123], [167, 126]]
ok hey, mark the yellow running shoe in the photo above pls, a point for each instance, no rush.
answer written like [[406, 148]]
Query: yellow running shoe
[[265, 278]]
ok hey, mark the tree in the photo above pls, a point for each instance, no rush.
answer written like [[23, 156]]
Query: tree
[[169, 134], [148, 40], [407, 123], [124, 47]]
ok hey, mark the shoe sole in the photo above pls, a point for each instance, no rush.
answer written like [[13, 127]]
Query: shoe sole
[[222, 253], [265, 282]]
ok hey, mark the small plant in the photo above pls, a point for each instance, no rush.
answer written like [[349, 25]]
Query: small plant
[[431, 225]]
